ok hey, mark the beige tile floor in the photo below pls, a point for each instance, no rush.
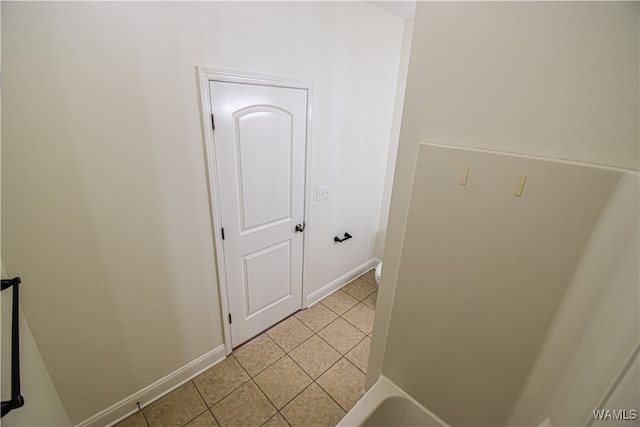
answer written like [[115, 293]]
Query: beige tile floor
[[308, 370]]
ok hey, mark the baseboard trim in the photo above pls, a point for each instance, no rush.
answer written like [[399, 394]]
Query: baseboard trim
[[330, 288], [128, 406]]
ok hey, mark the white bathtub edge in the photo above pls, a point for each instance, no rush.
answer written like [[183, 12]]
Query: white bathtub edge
[[381, 390]]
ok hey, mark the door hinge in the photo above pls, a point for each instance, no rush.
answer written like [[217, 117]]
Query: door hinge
[[222, 233], [213, 122], [230, 318]]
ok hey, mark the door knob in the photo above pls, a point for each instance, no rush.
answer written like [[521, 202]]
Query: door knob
[[300, 228]]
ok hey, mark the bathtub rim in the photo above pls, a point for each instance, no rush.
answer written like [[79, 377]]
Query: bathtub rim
[[381, 390]]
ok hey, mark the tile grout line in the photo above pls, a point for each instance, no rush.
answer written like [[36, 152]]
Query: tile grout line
[[288, 354], [209, 408], [342, 356], [366, 335], [205, 404], [313, 380], [327, 392], [141, 410]]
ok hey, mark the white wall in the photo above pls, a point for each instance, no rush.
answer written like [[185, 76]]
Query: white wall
[[556, 79], [483, 275], [105, 210], [395, 137], [551, 79], [45, 407], [596, 329]]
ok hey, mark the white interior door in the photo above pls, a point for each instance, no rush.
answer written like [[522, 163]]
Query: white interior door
[[260, 150]]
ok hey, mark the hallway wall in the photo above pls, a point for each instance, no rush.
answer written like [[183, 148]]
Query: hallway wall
[[105, 212]]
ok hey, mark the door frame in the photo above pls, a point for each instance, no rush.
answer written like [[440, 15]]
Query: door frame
[[205, 75]]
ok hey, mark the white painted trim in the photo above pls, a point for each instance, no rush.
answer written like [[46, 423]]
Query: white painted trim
[[155, 391], [232, 76], [341, 281], [534, 157], [205, 75], [308, 196]]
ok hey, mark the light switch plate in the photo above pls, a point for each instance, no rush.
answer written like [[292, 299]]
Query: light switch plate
[[322, 193]]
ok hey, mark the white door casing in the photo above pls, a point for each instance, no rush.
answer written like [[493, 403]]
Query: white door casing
[[257, 162]]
